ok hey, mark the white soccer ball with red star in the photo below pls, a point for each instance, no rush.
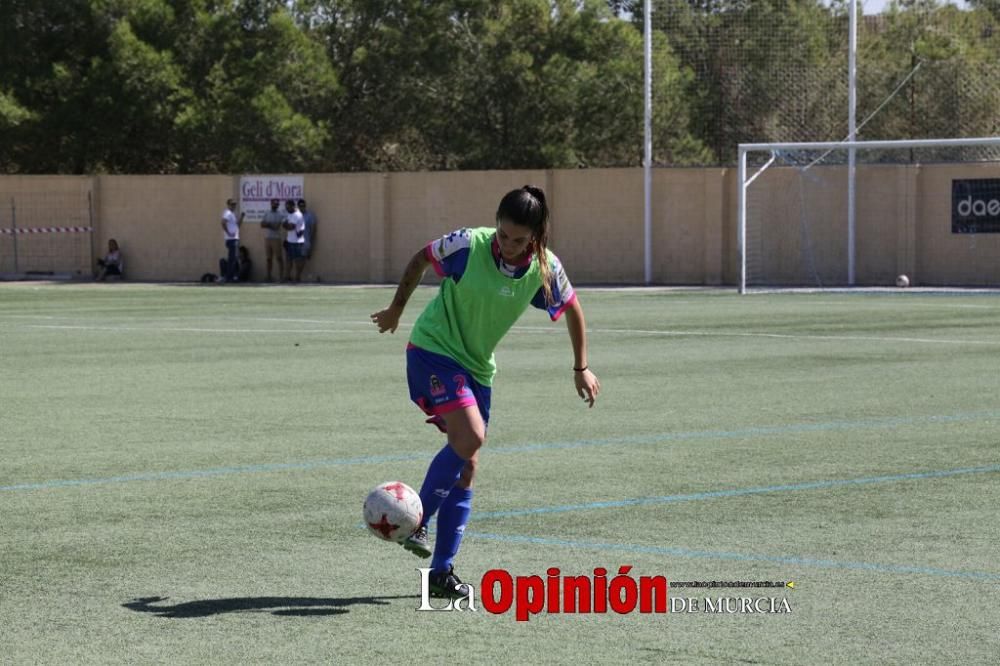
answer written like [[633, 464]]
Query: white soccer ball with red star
[[393, 511]]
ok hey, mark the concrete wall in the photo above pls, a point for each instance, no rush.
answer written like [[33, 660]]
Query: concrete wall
[[940, 256], [370, 224], [167, 226]]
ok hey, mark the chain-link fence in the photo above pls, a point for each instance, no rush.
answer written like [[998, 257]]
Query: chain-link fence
[[777, 70]]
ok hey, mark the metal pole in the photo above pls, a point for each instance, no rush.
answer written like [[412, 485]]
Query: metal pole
[[647, 161], [741, 215], [90, 213], [852, 131], [13, 230]]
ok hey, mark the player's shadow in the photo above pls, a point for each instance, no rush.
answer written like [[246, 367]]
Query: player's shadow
[[282, 606]]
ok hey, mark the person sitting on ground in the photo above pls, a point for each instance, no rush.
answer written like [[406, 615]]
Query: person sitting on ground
[[111, 264], [244, 267]]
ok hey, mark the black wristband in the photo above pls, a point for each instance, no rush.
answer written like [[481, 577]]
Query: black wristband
[[581, 369]]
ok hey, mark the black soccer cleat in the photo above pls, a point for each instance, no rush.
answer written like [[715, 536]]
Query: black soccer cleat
[[418, 543], [446, 585]]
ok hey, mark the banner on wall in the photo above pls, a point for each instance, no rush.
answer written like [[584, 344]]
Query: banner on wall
[[256, 193], [975, 206]]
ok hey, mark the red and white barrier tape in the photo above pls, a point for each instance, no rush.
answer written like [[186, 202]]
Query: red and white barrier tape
[[45, 230]]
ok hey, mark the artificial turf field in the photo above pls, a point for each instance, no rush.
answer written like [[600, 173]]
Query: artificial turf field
[[183, 469]]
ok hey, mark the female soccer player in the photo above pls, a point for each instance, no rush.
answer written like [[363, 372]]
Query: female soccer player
[[491, 276]]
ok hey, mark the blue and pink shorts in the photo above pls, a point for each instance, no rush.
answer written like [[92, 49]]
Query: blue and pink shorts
[[438, 384]]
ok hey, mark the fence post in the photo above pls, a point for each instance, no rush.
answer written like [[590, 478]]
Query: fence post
[[90, 212], [13, 231]]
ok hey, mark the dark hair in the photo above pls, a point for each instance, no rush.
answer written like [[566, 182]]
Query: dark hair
[[526, 207], [275, 202], [302, 202], [290, 201]]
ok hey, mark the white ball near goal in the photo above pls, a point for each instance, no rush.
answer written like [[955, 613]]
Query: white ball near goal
[[393, 511], [902, 281]]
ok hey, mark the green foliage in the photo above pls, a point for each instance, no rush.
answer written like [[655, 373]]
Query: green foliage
[[992, 6], [954, 54], [196, 86], [12, 114]]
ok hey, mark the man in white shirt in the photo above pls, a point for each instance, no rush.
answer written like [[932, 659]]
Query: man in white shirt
[[310, 218], [231, 234], [295, 240]]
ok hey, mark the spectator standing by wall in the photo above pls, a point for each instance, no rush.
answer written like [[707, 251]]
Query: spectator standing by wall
[[231, 234], [295, 240], [310, 219], [272, 226]]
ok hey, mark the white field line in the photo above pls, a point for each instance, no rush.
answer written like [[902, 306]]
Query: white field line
[[157, 329], [534, 329], [213, 317], [308, 321], [785, 336], [882, 305]]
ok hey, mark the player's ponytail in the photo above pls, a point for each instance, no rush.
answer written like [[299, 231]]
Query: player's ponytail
[[527, 207]]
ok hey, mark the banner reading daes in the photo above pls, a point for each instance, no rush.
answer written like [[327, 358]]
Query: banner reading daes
[[975, 206]]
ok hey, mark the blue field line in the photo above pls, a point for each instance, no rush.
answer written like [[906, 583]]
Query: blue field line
[[737, 492], [738, 557], [656, 438]]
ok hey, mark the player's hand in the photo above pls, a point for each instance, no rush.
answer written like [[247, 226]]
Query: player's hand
[[387, 320], [587, 386]]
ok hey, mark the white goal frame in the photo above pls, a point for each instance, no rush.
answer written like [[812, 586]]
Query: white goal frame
[[851, 147]]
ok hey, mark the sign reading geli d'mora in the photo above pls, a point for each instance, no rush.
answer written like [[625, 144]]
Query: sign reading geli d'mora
[[975, 206], [256, 193]]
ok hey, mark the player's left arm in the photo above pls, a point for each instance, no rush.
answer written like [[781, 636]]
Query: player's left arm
[[587, 385]]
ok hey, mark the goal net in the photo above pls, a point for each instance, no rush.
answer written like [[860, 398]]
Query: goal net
[[928, 209]]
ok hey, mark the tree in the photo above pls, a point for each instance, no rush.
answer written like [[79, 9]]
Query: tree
[[258, 103], [951, 57], [761, 69]]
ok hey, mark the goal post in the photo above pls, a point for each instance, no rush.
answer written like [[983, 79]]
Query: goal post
[[796, 226]]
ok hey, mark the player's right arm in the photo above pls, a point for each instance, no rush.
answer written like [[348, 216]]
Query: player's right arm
[[388, 319]]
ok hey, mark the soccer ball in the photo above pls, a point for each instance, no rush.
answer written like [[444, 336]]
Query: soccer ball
[[902, 281], [393, 511]]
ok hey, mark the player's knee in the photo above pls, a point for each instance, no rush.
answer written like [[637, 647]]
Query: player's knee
[[468, 472], [467, 446]]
